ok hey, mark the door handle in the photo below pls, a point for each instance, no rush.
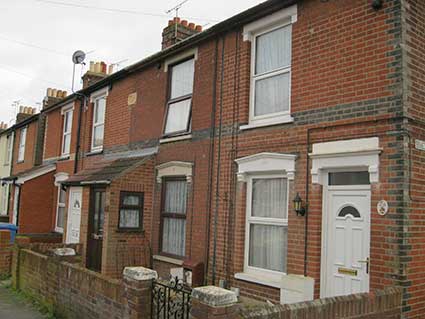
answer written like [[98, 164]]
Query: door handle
[[367, 262], [95, 236]]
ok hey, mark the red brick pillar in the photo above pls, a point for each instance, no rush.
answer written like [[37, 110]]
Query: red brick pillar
[[5, 253], [138, 292], [213, 302]]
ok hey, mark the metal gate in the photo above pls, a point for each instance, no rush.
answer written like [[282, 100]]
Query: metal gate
[[170, 299]]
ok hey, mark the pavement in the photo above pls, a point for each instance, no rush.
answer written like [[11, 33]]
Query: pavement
[[13, 307]]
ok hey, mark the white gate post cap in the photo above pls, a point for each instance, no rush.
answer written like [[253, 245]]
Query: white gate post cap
[[140, 273], [64, 252], [214, 296]]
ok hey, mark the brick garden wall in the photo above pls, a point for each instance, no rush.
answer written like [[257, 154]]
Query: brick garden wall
[[5, 253], [73, 291]]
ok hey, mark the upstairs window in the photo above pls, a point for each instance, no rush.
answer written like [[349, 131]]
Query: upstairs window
[[67, 128], [98, 123], [271, 76], [22, 142], [179, 106], [8, 153]]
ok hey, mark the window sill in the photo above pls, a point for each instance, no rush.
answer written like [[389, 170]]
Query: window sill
[[94, 152], [20, 162], [169, 260], [64, 158], [268, 122], [270, 280], [131, 231], [175, 138]]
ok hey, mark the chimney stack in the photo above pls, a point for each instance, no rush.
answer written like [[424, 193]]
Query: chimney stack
[[97, 71], [53, 96], [24, 113], [3, 126], [178, 30]]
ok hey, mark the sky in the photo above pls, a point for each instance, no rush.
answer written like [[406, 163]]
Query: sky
[[38, 38]]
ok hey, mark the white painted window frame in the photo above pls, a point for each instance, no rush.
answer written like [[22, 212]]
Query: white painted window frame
[[9, 141], [4, 199], [70, 113], [22, 144], [255, 271], [283, 18], [95, 125], [59, 205]]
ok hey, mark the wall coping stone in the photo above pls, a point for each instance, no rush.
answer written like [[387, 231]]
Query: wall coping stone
[[64, 252], [139, 273], [214, 296]]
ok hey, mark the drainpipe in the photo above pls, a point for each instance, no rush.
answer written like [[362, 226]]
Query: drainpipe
[[217, 188], [210, 163], [77, 151]]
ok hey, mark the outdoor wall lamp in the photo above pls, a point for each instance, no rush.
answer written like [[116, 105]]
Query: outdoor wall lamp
[[376, 4], [298, 205]]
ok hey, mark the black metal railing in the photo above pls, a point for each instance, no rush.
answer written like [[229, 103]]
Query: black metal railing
[[170, 299]]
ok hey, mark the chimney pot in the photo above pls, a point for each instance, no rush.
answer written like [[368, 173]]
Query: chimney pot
[[49, 92], [103, 65], [54, 92], [91, 68], [111, 69], [184, 23], [192, 26], [170, 22], [176, 20], [198, 28]]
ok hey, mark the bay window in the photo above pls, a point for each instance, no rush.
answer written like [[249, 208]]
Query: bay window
[[177, 120]]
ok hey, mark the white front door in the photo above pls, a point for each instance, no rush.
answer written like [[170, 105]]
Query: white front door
[[346, 240], [74, 215]]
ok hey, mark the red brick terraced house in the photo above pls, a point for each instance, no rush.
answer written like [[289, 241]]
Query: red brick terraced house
[[279, 152]]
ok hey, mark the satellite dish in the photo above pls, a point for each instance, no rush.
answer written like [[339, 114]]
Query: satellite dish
[[78, 57]]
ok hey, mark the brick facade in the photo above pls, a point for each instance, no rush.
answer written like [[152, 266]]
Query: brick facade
[[355, 73], [5, 253]]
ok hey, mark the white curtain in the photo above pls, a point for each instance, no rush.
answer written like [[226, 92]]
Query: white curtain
[[182, 79], [174, 236], [269, 198], [268, 247], [131, 200], [175, 197], [272, 94], [129, 218], [178, 116], [273, 50]]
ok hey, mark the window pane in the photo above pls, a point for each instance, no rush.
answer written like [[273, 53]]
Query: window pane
[[178, 116], [174, 236], [62, 196], [182, 79], [269, 198], [268, 247], [66, 144], [349, 178], [129, 218], [67, 122], [175, 197], [98, 136], [272, 94], [131, 200], [99, 116], [273, 50], [60, 218]]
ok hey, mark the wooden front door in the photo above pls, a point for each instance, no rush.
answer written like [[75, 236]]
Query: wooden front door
[[95, 229]]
